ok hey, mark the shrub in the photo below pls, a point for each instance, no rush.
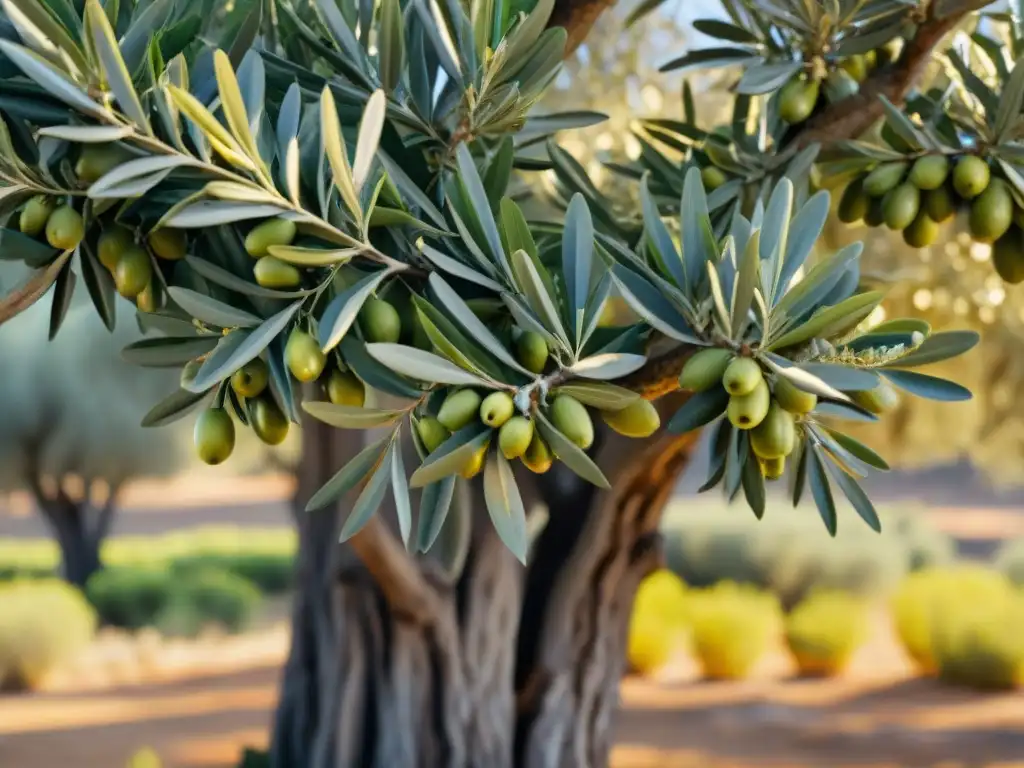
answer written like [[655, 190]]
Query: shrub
[[21, 559], [791, 554], [42, 624], [732, 626], [658, 623], [210, 596], [272, 573], [1010, 561], [980, 643], [825, 630], [130, 597], [930, 597], [254, 758]]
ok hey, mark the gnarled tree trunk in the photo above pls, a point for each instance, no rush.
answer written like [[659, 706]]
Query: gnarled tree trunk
[[498, 667]]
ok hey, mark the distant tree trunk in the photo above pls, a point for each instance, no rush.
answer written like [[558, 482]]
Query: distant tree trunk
[[511, 666], [79, 526]]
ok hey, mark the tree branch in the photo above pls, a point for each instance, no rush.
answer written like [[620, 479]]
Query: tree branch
[[396, 573], [854, 115], [577, 17]]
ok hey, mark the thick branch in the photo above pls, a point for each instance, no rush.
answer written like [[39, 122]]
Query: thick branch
[[396, 573], [853, 116], [577, 17], [660, 374]]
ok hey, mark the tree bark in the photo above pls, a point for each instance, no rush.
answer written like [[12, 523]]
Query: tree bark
[[79, 528], [514, 666]]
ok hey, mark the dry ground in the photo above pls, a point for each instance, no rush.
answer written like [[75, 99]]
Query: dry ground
[[877, 716], [200, 716]]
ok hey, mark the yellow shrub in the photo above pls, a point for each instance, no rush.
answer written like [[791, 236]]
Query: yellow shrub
[[925, 596], [978, 641], [657, 626], [825, 630], [733, 626], [42, 625]]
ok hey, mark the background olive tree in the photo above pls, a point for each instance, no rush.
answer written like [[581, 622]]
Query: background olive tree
[[71, 433], [181, 164]]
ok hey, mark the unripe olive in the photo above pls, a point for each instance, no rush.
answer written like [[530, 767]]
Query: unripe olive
[[747, 411], [111, 244], [380, 321], [921, 232], [741, 376], [432, 433], [929, 172], [705, 369], [992, 212], [496, 409], [855, 66], [268, 233], [854, 204], [773, 469], [792, 398], [345, 388], [268, 421], [840, 85], [797, 99], [214, 436], [1008, 256], [474, 464], [881, 399], [304, 357], [35, 214], [971, 176], [875, 216], [170, 244], [901, 205], [1018, 216], [274, 273], [459, 409], [713, 177], [884, 177], [538, 458], [146, 300], [939, 203], [515, 437], [775, 436], [251, 379], [189, 372], [133, 272], [532, 351], [572, 420], [65, 228], [638, 419], [97, 160]]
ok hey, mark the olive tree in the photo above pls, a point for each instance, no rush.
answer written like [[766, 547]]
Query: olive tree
[[314, 207], [70, 434]]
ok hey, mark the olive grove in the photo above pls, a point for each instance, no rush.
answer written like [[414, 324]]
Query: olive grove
[[316, 208]]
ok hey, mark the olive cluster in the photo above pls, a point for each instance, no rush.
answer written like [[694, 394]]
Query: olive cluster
[[270, 271], [769, 410], [214, 434], [130, 264], [916, 196], [769, 414], [62, 225], [799, 97], [516, 433]]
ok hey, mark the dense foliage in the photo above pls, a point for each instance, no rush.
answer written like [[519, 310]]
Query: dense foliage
[[281, 271]]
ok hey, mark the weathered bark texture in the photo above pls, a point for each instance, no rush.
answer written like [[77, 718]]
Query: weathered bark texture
[[513, 666]]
